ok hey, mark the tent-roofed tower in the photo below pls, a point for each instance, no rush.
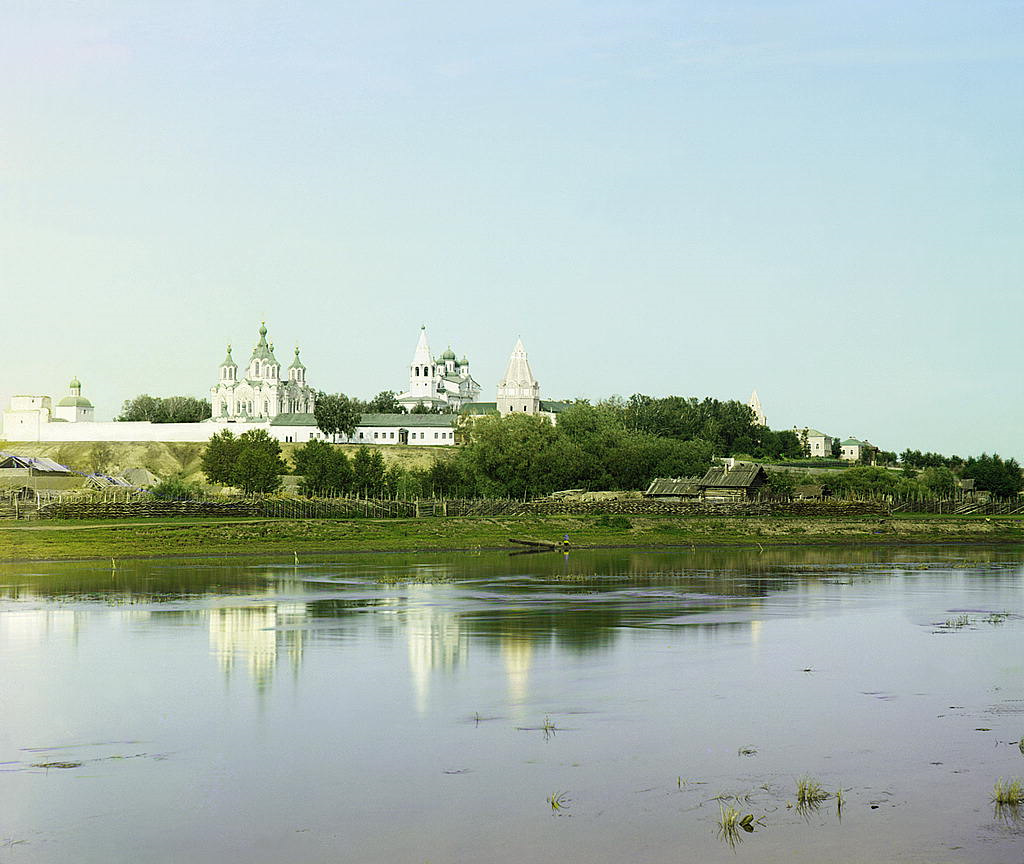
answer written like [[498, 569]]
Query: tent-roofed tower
[[755, 406], [518, 391]]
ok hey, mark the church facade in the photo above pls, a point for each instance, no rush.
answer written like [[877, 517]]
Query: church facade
[[443, 382], [260, 393]]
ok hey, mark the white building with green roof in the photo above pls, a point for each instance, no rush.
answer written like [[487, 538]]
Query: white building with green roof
[[74, 408], [260, 393]]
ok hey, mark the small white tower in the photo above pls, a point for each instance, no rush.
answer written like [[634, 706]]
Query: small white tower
[[518, 391], [74, 408], [422, 384], [755, 406]]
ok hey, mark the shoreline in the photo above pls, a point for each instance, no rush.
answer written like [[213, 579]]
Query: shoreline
[[213, 538]]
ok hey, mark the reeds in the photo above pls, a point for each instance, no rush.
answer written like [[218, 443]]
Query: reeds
[[809, 793]]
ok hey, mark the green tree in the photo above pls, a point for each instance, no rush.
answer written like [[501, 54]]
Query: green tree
[[385, 402], [259, 464], [337, 414], [994, 474], [170, 409], [219, 457], [325, 470], [368, 472], [939, 480]]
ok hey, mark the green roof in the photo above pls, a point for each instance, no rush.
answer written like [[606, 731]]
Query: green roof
[[294, 420], [854, 442], [229, 361], [475, 408], [263, 351], [296, 363], [814, 433], [74, 402], [553, 407], [408, 421]]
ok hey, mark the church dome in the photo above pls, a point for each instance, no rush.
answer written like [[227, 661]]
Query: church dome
[[229, 361], [296, 363], [75, 383], [449, 354], [74, 402]]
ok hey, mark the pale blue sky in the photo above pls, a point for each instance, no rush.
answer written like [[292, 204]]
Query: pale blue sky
[[824, 201]]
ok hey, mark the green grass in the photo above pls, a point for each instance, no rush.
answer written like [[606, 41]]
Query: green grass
[[809, 792], [133, 537], [1008, 793]]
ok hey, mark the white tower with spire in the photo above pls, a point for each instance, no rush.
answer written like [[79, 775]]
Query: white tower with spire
[[755, 406], [443, 383], [518, 391], [422, 384]]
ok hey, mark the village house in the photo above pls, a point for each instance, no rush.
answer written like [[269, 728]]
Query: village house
[[855, 450]]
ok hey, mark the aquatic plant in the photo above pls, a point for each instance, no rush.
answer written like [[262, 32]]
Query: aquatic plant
[[957, 622], [559, 801], [729, 825], [747, 751], [996, 617], [1008, 793], [809, 792]]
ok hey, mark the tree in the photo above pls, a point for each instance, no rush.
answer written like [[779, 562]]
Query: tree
[[385, 402], [336, 414], [325, 469], [170, 409], [219, 458], [100, 456], [259, 464], [368, 471], [993, 474]]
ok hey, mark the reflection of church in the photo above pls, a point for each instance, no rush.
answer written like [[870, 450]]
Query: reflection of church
[[261, 393], [254, 634]]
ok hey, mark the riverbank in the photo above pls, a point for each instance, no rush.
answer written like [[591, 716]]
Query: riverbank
[[196, 537]]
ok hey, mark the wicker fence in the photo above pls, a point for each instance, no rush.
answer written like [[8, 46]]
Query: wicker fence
[[358, 508]]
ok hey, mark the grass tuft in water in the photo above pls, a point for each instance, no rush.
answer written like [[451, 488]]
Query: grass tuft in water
[[559, 801], [1008, 793], [957, 622], [729, 825], [809, 792]]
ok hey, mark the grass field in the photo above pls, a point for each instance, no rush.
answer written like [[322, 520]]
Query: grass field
[[191, 537]]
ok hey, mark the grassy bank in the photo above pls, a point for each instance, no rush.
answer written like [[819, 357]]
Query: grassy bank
[[188, 537]]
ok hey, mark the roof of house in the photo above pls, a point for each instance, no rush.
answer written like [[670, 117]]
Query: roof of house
[[738, 477], [674, 486], [36, 463], [815, 433], [408, 420], [105, 481], [553, 407], [294, 420], [475, 408], [856, 442]]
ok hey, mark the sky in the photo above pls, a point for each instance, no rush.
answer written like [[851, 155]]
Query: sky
[[822, 201]]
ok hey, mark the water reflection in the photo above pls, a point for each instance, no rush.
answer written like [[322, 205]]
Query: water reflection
[[258, 636]]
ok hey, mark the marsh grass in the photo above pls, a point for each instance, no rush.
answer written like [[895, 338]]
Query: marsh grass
[[1008, 793], [729, 825], [957, 622], [809, 793], [1008, 796]]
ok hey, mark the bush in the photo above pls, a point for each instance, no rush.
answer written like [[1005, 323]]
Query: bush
[[619, 522], [177, 489]]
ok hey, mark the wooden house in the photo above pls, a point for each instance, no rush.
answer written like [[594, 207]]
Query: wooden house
[[674, 489], [732, 482]]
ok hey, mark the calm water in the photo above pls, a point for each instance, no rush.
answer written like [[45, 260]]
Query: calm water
[[425, 708]]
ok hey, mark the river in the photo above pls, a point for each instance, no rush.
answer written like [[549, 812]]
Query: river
[[596, 707]]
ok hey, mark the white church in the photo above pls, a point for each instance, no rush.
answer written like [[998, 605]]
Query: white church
[[261, 393], [443, 383]]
